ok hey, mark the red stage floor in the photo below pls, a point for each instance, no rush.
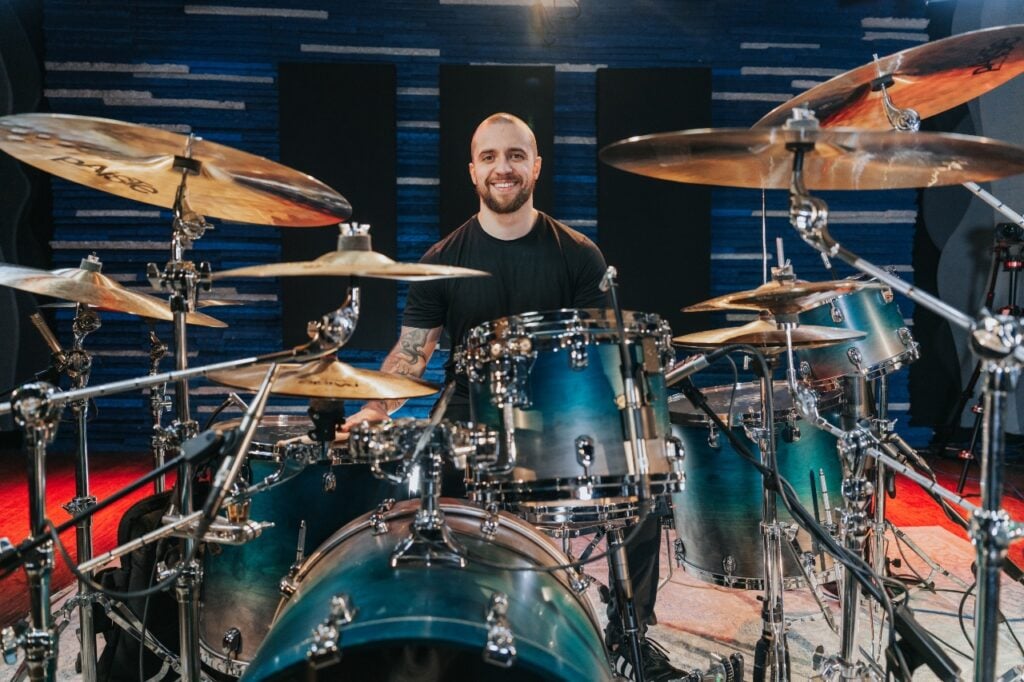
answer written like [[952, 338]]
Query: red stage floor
[[911, 507]]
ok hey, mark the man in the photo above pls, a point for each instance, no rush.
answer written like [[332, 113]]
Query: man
[[536, 263]]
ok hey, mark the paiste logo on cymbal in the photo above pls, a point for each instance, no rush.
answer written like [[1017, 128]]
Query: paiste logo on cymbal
[[992, 57], [113, 176]]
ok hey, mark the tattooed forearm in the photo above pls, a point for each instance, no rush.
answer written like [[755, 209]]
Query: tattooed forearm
[[409, 357], [411, 346]]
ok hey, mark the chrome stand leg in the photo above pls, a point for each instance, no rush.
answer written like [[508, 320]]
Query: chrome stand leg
[[623, 585]]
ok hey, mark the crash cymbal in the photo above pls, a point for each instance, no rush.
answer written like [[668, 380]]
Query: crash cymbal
[[203, 303], [842, 159], [87, 285], [785, 297], [929, 79], [328, 378], [353, 264], [765, 333], [138, 162]]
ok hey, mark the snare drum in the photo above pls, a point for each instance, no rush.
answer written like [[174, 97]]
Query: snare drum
[[888, 346], [556, 377], [298, 486], [352, 616], [718, 517]]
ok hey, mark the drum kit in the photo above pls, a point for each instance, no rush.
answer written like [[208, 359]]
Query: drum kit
[[574, 429]]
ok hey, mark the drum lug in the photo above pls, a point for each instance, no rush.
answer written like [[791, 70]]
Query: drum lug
[[837, 313], [676, 452], [500, 649], [886, 294], [729, 566], [679, 551], [378, 523], [330, 482], [805, 369], [906, 338], [324, 649], [231, 643], [489, 526], [577, 345], [855, 358], [713, 436], [585, 453]]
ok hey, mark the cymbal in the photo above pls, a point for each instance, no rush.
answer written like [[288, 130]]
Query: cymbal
[[929, 78], [203, 303], [353, 264], [785, 297], [89, 286], [328, 378], [765, 334], [843, 159], [137, 162]]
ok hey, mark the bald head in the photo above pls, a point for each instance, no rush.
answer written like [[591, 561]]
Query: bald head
[[504, 119]]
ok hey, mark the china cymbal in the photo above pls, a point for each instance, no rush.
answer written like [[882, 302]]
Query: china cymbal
[[842, 159], [785, 297], [929, 79], [138, 162], [765, 334], [87, 285], [353, 264], [327, 378]]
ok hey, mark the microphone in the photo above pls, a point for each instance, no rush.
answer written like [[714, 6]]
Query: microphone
[[694, 364]]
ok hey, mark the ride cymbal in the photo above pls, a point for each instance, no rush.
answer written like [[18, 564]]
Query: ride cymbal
[[353, 264], [143, 163], [765, 334], [328, 378], [929, 79], [782, 297], [87, 285], [841, 159]]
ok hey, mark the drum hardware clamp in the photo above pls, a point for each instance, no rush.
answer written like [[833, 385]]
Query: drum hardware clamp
[[324, 650], [500, 649]]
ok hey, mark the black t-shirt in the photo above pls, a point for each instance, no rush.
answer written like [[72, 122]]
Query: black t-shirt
[[550, 267]]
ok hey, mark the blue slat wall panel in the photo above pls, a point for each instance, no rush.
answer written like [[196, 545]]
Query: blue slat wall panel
[[210, 68]]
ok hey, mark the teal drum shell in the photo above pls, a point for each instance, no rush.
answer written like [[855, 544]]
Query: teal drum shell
[[569, 373], [888, 346], [241, 583], [718, 516], [429, 622]]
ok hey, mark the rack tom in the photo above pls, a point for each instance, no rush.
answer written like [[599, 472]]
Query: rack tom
[[550, 383]]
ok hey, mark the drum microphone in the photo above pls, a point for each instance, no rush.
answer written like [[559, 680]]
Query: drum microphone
[[694, 364]]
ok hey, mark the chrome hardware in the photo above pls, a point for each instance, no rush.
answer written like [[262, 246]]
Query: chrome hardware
[[905, 337], [500, 649], [489, 526], [729, 565], [78, 505], [805, 369], [836, 312], [679, 551], [580, 581], [378, 523], [577, 345], [854, 356], [676, 453], [323, 650], [9, 644], [887, 295], [585, 453], [713, 436], [330, 482], [231, 643]]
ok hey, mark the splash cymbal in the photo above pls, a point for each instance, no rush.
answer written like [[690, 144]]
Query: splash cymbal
[[765, 334], [782, 297], [353, 264], [841, 159], [328, 378], [929, 79], [143, 163], [87, 285]]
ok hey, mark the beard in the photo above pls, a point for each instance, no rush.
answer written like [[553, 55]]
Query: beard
[[509, 205]]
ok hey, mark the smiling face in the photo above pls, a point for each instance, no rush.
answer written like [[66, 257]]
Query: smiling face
[[505, 165]]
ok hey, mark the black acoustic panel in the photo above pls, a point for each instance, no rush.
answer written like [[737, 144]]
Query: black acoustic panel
[[656, 233], [469, 94], [337, 123]]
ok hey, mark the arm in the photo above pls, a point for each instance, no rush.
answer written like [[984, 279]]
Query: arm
[[409, 357]]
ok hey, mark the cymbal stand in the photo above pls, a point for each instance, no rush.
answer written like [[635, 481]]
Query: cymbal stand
[[999, 341], [771, 654], [182, 279], [162, 438]]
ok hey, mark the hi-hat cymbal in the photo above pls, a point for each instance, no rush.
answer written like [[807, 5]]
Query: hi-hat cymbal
[[87, 285], [765, 334], [353, 264], [842, 159], [328, 378], [929, 79], [785, 297], [138, 162]]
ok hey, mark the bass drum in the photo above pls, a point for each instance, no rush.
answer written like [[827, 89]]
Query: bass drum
[[418, 622]]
